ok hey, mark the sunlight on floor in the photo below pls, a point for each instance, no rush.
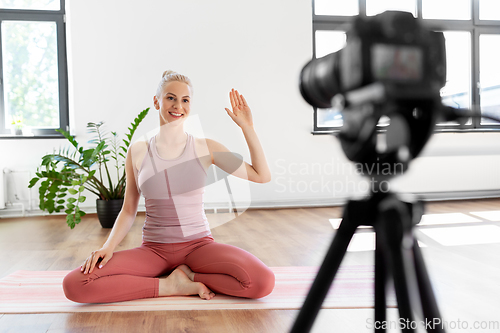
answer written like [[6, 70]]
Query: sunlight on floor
[[451, 218], [362, 242], [492, 215], [447, 236], [451, 236], [365, 241], [336, 222]]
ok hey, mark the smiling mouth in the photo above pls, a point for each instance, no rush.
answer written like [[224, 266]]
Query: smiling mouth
[[175, 114]]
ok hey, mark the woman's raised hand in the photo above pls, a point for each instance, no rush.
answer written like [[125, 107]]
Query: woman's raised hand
[[241, 113], [91, 261]]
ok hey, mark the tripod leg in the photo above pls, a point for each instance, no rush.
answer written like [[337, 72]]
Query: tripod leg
[[380, 285], [429, 304], [396, 228], [324, 278]]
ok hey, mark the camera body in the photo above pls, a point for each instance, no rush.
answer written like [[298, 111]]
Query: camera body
[[391, 66], [392, 47]]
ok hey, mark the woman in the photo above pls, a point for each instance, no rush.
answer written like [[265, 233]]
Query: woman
[[178, 255]]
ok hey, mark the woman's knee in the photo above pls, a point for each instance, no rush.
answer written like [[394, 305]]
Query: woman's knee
[[263, 283], [73, 284]]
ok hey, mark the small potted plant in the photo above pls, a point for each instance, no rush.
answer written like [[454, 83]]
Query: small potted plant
[[17, 125], [67, 173]]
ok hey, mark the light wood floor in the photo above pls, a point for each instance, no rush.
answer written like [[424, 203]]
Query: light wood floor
[[466, 276]]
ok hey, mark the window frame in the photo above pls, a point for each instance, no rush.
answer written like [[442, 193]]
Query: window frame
[[475, 26], [59, 18]]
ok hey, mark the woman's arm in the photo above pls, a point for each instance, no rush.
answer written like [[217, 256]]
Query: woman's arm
[[123, 222], [258, 171], [128, 213]]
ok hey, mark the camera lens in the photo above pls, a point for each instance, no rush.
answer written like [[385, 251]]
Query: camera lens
[[319, 80]]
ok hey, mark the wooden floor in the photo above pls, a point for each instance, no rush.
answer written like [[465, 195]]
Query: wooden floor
[[468, 276]]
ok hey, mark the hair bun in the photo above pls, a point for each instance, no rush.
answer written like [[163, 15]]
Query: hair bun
[[169, 76], [168, 72]]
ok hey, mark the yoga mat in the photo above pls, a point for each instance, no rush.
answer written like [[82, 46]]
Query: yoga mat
[[41, 292]]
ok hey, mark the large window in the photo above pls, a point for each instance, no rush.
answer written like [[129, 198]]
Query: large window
[[472, 33], [33, 71]]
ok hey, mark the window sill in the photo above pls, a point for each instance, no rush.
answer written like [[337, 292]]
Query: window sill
[[437, 130], [32, 136]]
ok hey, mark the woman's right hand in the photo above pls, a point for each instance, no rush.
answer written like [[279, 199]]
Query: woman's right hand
[[91, 261]]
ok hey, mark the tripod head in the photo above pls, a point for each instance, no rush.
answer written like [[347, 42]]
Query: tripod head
[[412, 113]]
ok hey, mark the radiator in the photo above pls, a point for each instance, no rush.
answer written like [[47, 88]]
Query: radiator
[[18, 180], [2, 189]]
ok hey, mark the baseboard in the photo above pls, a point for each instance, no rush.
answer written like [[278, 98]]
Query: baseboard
[[458, 195], [339, 201]]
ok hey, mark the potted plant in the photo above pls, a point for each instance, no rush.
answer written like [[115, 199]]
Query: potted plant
[[18, 124], [71, 171]]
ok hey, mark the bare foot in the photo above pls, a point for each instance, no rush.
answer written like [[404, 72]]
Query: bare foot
[[187, 270], [179, 284]]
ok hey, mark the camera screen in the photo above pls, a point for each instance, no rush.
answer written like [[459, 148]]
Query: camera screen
[[396, 62]]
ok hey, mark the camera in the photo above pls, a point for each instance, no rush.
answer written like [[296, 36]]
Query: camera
[[391, 66], [392, 47]]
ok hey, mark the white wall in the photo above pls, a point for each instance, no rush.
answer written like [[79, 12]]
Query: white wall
[[118, 51]]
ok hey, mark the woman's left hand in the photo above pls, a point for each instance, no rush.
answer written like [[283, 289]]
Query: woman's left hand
[[241, 113]]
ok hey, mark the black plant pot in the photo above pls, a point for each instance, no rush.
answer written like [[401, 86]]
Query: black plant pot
[[108, 210]]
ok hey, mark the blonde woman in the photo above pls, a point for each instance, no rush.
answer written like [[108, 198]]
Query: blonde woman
[[178, 255]]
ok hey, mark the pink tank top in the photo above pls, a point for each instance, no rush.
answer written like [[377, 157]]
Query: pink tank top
[[173, 190]]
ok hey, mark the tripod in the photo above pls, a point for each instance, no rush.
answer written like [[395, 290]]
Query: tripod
[[397, 253]]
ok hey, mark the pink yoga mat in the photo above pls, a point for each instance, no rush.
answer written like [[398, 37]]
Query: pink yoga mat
[[41, 292]]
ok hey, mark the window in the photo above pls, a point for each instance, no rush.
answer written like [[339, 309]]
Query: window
[[33, 72], [472, 34]]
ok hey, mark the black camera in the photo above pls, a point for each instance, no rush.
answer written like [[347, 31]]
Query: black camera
[[391, 66], [392, 47]]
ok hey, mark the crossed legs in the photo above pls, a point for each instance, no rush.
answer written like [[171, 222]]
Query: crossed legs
[[229, 270], [196, 267]]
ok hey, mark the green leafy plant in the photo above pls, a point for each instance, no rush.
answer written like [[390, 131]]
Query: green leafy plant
[[73, 169]]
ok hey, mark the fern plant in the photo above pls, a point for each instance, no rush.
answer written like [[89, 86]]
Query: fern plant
[[74, 169]]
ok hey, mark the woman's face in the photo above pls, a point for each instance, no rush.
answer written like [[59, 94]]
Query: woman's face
[[174, 103]]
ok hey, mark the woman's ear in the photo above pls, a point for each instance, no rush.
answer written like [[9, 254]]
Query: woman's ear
[[156, 103]]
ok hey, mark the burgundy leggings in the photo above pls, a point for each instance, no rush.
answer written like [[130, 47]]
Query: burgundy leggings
[[133, 274]]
